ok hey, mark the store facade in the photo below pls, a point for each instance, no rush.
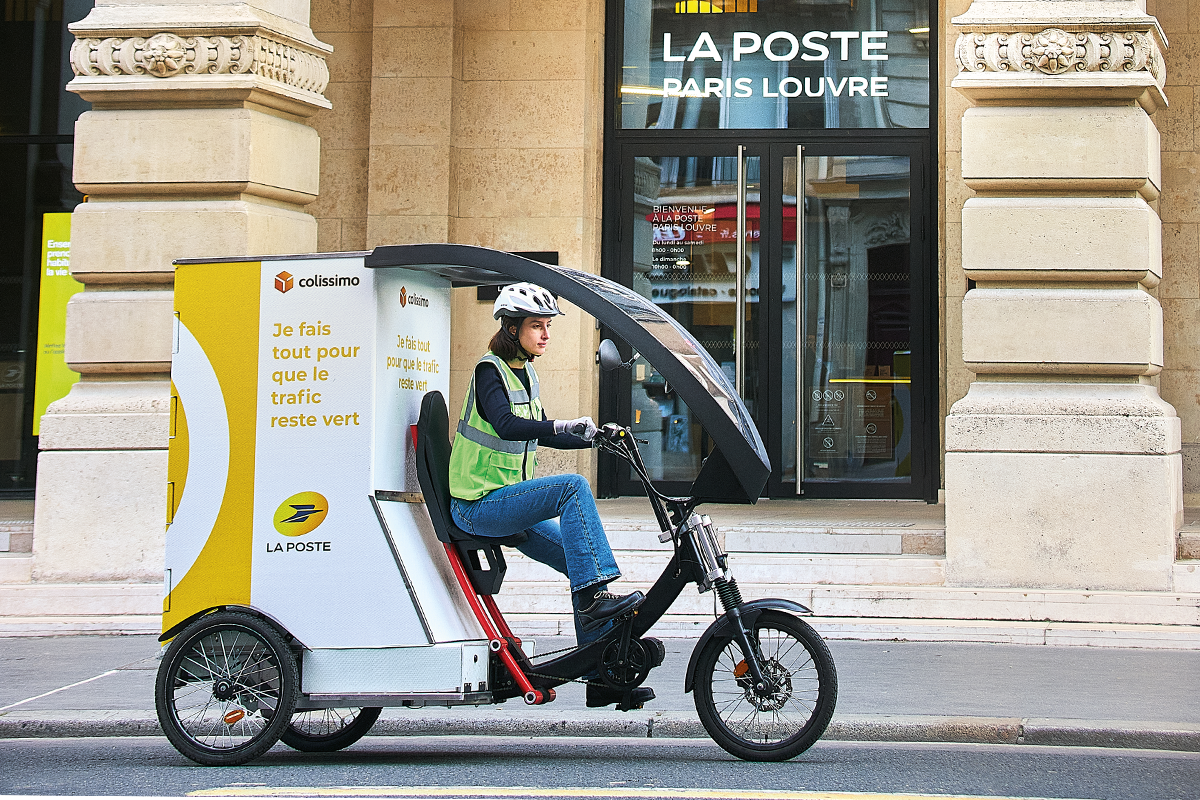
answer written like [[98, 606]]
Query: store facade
[[946, 250], [771, 170]]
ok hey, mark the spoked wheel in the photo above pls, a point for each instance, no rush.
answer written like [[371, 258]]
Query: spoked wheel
[[226, 689], [328, 729], [782, 719]]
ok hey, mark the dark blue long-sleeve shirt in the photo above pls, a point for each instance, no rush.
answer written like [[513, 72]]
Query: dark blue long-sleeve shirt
[[491, 401]]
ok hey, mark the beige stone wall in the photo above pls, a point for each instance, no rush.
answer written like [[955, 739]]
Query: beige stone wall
[[952, 283], [474, 122], [1179, 208], [341, 208]]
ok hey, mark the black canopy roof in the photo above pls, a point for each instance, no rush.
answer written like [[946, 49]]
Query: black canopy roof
[[737, 471]]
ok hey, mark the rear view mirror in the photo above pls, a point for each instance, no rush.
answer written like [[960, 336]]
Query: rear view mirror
[[609, 357]]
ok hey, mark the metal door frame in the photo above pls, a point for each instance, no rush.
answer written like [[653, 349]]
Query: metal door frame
[[923, 291]]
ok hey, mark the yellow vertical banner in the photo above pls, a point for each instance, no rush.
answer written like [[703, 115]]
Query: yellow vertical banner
[[54, 377]]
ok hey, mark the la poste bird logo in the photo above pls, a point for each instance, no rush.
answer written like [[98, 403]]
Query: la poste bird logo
[[301, 513]]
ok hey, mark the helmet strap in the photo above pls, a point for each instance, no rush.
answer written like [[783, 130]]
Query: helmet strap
[[522, 355]]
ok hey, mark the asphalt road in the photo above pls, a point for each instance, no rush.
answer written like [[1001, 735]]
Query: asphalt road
[[559, 767]]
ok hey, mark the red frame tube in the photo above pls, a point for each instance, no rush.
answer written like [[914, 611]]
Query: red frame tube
[[495, 631]]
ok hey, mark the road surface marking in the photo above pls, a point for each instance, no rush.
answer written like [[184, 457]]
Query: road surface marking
[[614, 792], [59, 689]]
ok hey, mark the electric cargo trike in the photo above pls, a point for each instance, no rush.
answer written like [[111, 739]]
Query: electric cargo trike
[[314, 573]]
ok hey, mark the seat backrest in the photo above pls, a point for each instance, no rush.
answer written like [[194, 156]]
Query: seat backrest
[[433, 465], [483, 561]]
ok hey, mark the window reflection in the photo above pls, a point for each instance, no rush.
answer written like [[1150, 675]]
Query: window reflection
[[856, 321], [685, 253], [786, 64]]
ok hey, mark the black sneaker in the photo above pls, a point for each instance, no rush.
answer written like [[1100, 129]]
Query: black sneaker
[[608, 606], [599, 696]]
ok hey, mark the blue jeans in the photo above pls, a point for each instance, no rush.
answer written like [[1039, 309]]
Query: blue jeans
[[574, 545]]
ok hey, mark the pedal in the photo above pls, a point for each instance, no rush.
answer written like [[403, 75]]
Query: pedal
[[627, 703]]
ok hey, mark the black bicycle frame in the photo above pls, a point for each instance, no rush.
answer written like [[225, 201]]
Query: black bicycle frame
[[680, 571]]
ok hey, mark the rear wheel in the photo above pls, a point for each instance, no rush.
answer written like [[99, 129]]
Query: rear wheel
[[781, 719], [226, 688], [325, 730]]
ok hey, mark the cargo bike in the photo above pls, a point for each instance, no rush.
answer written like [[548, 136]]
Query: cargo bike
[[314, 573]]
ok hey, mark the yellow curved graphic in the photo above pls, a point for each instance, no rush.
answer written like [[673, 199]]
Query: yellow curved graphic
[[177, 454], [301, 513], [228, 334]]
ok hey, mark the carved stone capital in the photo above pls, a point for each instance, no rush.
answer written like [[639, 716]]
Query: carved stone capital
[[271, 63], [1054, 51], [1073, 63]]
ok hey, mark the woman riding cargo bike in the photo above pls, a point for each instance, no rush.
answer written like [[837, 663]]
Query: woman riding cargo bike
[[309, 584], [496, 495]]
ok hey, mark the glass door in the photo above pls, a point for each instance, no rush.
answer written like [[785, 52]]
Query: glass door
[[849, 305], [804, 273], [695, 252]]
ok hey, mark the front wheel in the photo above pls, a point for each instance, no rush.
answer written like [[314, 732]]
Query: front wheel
[[329, 729], [782, 719]]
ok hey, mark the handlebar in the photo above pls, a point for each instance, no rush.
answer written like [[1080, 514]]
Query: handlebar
[[619, 441]]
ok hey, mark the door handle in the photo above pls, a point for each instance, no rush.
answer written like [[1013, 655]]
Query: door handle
[[801, 319], [740, 274]]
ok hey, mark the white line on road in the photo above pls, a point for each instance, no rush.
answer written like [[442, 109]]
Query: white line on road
[[59, 689], [536, 793]]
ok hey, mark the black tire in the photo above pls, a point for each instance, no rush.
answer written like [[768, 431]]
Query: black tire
[[778, 724], [328, 729], [226, 689]]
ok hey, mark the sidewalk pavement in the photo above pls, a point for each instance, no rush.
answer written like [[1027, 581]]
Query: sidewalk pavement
[[888, 691]]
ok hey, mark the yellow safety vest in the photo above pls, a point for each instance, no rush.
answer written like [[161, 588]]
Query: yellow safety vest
[[481, 461]]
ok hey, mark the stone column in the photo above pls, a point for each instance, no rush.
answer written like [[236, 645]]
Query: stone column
[[196, 145], [1063, 465]]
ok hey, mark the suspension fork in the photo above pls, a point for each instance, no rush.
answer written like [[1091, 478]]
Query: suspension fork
[[712, 572], [731, 599]]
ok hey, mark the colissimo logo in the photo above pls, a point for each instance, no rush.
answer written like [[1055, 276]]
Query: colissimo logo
[[301, 513], [285, 281], [414, 298]]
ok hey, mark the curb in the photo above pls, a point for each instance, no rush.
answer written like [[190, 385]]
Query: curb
[[1179, 737]]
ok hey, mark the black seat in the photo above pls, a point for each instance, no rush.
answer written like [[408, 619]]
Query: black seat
[[482, 557]]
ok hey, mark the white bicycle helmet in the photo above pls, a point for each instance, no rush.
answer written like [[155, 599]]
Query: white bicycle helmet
[[525, 300]]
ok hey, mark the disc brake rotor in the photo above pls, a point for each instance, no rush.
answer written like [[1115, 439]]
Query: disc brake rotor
[[777, 691]]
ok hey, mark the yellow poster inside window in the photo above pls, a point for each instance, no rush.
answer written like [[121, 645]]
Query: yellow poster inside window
[[54, 377]]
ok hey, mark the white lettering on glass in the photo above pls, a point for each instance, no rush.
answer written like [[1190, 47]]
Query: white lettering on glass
[[667, 49], [819, 51], [845, 37], [793, 46], [704, 48], [753, 43], [869, 47]]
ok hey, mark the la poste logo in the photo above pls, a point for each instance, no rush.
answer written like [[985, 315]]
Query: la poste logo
[[300, 514]]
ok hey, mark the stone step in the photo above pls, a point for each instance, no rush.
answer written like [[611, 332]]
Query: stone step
[[1187, 545], [16, 536], [845, 537], [551, 632], [1187, 576], [907, 602], [123, 624], [777, 568], [80, 600], [16, 568]]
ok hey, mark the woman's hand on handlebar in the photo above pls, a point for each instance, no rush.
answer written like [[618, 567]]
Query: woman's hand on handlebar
[[584, 427], [612, 432]]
